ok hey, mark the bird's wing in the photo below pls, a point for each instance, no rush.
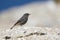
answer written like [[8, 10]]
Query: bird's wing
[[17, 22], [23, 21]]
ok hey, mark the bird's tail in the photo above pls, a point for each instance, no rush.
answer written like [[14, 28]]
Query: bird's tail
[[13, 26]]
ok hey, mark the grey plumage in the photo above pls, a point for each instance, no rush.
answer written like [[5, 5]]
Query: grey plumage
[[22, 20]]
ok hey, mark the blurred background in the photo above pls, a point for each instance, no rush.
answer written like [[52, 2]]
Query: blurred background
[[44, 13], [5, 4]]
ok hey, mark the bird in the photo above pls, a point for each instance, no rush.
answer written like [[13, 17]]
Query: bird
[[22, 20], [7, 37]]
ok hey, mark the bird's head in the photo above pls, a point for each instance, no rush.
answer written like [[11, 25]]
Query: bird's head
[[27, 14]]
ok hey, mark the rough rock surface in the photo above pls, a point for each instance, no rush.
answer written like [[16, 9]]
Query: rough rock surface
[[31, 33]]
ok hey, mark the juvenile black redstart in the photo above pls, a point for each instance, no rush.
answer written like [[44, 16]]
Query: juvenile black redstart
[[22, 20]]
